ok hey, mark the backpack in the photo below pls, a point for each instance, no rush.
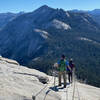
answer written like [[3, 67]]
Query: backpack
[[62, 65], [71, 65]]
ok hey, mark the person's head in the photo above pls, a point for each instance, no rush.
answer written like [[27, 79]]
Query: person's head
[[63, 56], [71, 60]]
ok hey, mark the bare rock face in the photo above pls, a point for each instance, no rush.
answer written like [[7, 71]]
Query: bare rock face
[[9, 60], [20, 83], [58, 25]]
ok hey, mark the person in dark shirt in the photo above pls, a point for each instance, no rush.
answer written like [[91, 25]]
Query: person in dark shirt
[[71, 70]]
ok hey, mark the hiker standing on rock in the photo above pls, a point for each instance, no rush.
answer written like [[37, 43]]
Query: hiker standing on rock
[[62, 65], [71, 70]]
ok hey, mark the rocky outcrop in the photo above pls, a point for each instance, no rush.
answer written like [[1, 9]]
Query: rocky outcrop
[[20, 83], [9, 60], [58, 25]]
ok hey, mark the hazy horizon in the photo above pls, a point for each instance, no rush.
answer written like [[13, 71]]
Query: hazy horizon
[[51, 7], [16, 6]]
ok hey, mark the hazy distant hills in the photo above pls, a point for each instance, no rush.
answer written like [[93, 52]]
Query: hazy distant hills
[[94, 13], [7, 17], [37, 39]]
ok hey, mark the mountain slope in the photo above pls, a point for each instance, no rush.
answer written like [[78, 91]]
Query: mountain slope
[[96, 15], [38, 39]]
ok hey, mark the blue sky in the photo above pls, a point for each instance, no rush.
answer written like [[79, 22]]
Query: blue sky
[[31, 5]]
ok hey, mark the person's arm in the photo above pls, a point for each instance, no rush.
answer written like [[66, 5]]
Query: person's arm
[[67, 64], [69, 68]]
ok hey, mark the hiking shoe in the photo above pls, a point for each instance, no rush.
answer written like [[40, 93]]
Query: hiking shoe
[[59, 85]]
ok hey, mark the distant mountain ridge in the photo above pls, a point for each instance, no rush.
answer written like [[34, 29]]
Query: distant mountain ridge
[[94, 13], [7, 17], [37, 39]]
